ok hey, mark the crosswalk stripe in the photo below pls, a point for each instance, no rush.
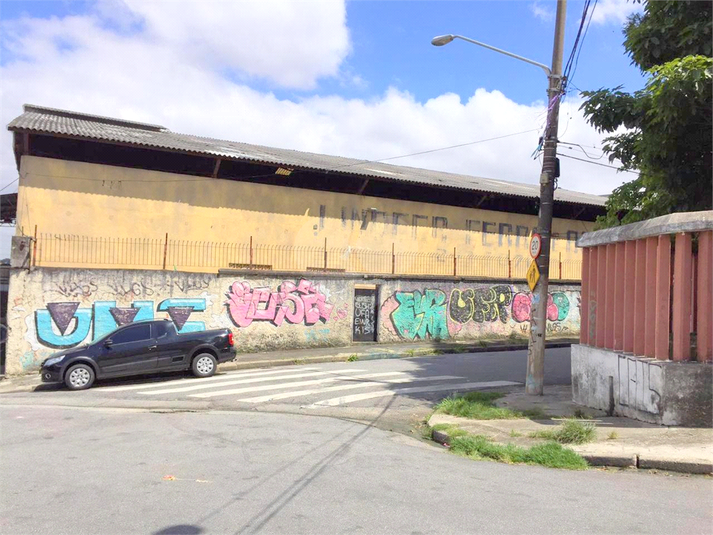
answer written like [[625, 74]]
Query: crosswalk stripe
[[300, 393], [411, 390], [224, 377], [279, 386], [241, 381]]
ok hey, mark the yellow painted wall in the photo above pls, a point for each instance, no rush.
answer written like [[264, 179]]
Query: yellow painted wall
[[67, 197]]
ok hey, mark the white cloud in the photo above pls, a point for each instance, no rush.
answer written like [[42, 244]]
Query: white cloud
[[290, 43], [541, 12], [614, 11], [150, 73]]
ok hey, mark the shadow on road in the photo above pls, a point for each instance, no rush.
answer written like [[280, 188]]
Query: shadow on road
[[180, 529]]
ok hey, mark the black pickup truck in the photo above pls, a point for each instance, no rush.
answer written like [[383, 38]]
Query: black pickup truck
[[139, 348]]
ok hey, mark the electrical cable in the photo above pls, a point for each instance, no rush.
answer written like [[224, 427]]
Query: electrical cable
[[584, 35], [440, 149], [582, 149], [597, 163], [9, 184]]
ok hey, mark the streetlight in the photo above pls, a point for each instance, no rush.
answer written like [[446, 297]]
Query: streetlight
[[541, 265], [443, 40]]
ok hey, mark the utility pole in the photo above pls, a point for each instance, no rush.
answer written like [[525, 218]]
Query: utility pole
[[538, 313]]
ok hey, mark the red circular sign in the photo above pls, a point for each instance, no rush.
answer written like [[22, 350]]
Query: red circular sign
[[535, 245]]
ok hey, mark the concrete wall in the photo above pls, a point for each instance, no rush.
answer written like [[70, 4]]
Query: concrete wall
[[51, 308], [104, 201], [655, 391]]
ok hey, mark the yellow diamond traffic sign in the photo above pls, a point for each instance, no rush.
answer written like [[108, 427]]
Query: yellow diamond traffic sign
[[533, 275]]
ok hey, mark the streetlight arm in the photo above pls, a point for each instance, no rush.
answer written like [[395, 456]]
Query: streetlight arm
[[439, 41]]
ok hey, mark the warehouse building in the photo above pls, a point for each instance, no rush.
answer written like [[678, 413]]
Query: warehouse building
[[120, 221], [83, 175]]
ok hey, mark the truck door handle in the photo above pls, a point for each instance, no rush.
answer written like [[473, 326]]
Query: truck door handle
[[151, 348]]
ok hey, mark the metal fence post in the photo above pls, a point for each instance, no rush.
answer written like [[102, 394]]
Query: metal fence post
[[455, 262], [325, 254], [393, 259], [509, 266], [251, 252], [165, 251], [34, 249], [560, 265]]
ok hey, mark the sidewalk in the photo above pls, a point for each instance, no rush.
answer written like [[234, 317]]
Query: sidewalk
[[23, 383], [620, 442]]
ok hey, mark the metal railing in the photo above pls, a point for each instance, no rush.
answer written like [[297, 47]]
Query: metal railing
[[59, 250]]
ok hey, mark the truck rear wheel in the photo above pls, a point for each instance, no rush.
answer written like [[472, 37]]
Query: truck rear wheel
[[204, 365]]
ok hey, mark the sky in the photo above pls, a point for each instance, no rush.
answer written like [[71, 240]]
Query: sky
[[356, 78]]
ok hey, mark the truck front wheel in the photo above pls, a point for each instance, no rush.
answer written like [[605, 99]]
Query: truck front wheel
[[204, 365]]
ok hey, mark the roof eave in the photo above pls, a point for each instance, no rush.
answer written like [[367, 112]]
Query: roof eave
[[207, 154]]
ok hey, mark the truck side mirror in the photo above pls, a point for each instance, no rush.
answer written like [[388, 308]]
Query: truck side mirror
[[108, 342]]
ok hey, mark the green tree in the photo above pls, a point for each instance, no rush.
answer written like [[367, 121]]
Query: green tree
[[664, 130]]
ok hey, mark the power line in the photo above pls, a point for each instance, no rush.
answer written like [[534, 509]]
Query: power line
[[568, 66], [10, 184], [597, 163], [570, 59], [576, 60], [440, 149], [582, 149]]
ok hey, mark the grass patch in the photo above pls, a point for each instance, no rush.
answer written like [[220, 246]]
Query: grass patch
[[451, 430], [551, 454], [353, 358], [581, 415], [410, 352], [299, 361], [481, 406], [535, 414], [570, 432], [613, 435], [515, 434]]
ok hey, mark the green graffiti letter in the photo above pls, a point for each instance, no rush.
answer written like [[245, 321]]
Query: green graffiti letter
[[421, 315]]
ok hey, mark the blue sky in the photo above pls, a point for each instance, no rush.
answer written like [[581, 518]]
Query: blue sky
[[391, 42], [357, 79]]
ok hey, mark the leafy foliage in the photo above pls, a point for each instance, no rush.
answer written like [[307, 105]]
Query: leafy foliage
[[668, 30], [664, 130]]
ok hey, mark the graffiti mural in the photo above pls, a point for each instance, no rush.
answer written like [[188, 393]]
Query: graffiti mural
[[303, 303], [65, 324], [640, 384], [421, 315], [557, 306], [475, 311], [481, 305]]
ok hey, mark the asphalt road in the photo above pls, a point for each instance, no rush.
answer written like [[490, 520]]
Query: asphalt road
[[393, 394], [123, 471]]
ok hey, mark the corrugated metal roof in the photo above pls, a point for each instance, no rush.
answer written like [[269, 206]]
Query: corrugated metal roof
[[42, 120]]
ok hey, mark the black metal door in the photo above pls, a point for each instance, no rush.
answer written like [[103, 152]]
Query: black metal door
[[365, 315]]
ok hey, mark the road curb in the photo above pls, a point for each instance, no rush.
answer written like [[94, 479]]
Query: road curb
[[441, 437], [617, 461], [675, 465]]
